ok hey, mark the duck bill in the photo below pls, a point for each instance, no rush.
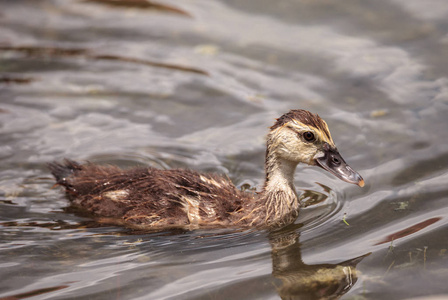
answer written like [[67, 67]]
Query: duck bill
[[333, 162]]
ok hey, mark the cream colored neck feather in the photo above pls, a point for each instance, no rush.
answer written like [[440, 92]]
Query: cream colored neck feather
[[279, 195]]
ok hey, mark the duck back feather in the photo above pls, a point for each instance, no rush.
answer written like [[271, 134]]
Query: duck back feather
[[150, 197]]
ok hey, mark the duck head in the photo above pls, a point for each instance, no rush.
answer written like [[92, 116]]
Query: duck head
[[303, 137]]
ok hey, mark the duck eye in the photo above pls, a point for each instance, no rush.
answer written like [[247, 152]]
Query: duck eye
[[308, 136]]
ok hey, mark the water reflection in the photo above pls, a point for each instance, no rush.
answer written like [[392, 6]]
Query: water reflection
[[302, 281]]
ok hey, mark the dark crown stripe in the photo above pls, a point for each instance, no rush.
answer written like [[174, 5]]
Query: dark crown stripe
[[304, 117]]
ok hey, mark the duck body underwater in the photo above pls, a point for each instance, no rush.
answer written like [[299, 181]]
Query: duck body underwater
[[151, 198]]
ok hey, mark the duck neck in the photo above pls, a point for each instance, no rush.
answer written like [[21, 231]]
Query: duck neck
[[279, 195]]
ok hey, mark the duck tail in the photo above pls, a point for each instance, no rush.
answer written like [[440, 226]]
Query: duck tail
[[62, 170]]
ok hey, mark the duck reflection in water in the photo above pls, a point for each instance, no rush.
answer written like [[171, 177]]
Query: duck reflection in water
[[299, 280]]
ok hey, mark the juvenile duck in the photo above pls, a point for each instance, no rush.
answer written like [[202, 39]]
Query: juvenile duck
[[151, 198]]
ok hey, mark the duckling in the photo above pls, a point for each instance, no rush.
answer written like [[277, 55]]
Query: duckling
[[150, 198]]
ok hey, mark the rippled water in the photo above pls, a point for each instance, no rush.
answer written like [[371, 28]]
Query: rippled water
[[196, 84]]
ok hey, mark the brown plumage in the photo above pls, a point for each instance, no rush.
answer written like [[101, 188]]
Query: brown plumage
[[306, 118], [153, 199]]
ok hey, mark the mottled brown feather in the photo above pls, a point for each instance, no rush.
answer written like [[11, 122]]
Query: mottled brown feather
[[154, 197]]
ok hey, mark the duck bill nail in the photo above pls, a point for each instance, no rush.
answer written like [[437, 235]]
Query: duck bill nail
[[333, 162]]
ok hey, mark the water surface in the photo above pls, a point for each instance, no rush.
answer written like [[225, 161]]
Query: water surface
[[197, 84]]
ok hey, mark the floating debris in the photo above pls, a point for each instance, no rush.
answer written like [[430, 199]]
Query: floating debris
[[402, 205], [379, 113], [343, 219], [15, 80], [45, 51], [208, 50], [256, 98], [36, 292], [141, 4], [139, 241], [32, 51], [149, 63], [409, 230]]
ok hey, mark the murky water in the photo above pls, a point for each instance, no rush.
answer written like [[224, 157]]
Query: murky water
[[196, 84]]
